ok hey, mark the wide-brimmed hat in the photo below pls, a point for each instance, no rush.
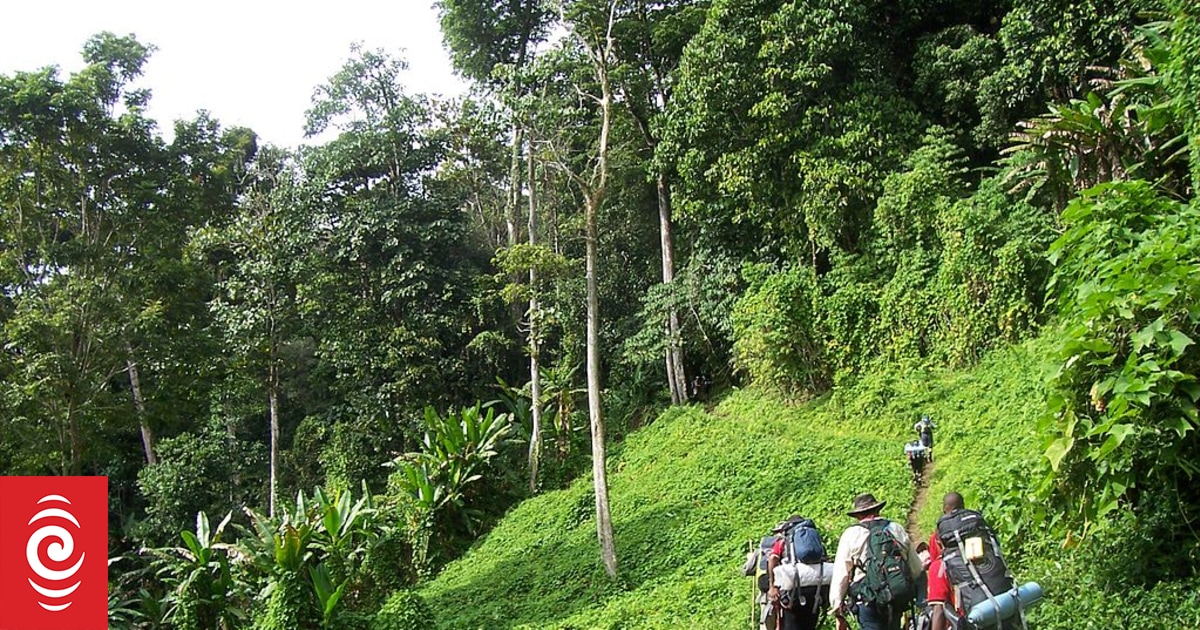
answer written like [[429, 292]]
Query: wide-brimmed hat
[[787, 523], [866, 504]]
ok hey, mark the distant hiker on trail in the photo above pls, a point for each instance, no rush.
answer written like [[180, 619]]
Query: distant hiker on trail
[[700, 387], [917, 454], [924, 427], [874, 569]]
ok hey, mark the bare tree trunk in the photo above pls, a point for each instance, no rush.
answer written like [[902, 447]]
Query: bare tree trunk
[[514, 200], [139, 405], [273, 409], [514, 182], [675, 372], [599, 476], [535, 378], [604, 529], [642, 113]]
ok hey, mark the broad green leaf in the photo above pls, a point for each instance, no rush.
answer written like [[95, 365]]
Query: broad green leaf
[[202, 530], [1058, 450], [193, 544], [1179, 342]]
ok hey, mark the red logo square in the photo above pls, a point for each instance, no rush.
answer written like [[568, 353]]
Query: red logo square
[[53, 553]]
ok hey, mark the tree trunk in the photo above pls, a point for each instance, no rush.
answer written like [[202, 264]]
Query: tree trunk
[[675, 372], [599, 476], [510, 206], [76, 438], [273, 410], [139, 405], [604, 529], [535, 379], [514, 182]]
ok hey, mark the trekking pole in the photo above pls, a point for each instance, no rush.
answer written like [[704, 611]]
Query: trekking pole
[[753, 592], [754, 605]]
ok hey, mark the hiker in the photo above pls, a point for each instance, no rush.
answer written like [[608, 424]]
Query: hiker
[[917, 454], [874, 569], [700, 386], [972, 570], [941, 596], [798, 574], [924, 427], [756, 566]]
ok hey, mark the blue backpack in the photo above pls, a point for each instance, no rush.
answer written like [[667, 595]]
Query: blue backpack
[[804, 543]]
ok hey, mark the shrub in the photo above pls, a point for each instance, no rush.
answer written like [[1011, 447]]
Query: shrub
[[184, 481], [776, 339], [288, 605], [1124, 407], [404, 610], [991, 273], [907, 311]]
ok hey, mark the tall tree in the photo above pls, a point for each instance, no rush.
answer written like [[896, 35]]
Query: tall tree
[[84, 173], [492, 41], [535, 376], [592, 27], [256, 306], [387, 302], [649, 45]]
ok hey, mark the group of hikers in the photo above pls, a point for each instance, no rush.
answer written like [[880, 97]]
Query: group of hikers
[[956, 581]]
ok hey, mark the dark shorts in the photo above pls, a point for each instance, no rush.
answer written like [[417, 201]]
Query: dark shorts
[[872, 618], [806, 611]]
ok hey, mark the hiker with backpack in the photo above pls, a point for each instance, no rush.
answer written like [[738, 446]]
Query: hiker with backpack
[[763, 612], [924, 428], [941, 608], [968, 574], [874, 570], [798, 574], [917, 454]]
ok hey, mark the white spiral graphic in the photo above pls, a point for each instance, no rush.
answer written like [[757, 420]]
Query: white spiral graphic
[[59, 551]]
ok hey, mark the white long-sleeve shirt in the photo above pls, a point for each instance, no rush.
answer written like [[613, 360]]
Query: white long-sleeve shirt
[[852, 551]]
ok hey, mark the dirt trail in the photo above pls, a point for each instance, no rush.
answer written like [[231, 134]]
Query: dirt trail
[[918, 504]]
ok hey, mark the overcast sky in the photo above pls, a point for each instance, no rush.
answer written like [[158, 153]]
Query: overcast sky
[[249, 62]]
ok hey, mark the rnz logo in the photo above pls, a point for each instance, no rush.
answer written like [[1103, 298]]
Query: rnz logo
[[60, 551], [53, 553]]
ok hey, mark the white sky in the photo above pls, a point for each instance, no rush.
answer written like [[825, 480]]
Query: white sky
[[251, 62]]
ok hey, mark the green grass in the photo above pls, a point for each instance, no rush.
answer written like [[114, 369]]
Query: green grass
[[692, 488]]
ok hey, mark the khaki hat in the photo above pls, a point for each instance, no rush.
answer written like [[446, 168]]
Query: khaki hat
[[866, 504]]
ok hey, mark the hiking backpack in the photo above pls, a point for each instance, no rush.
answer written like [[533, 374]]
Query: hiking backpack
[[886, 581], [762, 557], [971, 554], [804, 543]]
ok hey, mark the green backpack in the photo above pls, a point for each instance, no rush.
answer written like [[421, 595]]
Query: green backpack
[[886, 580]]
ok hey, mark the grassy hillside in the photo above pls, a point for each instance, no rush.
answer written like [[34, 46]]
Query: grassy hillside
[[692, 488]]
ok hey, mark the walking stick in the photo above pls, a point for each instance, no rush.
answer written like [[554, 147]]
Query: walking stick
[[753, 593]]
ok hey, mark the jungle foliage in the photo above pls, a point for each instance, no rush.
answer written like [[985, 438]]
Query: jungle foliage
[[316, 377]]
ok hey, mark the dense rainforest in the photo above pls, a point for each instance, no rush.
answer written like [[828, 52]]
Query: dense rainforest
[[725, 251]]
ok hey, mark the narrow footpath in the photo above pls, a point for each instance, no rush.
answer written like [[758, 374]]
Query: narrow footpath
[[918, 504]]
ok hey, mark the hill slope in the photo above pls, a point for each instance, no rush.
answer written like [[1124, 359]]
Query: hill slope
[[690, 490]]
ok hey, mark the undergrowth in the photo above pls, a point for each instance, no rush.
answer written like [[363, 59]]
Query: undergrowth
[[690, 491]]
